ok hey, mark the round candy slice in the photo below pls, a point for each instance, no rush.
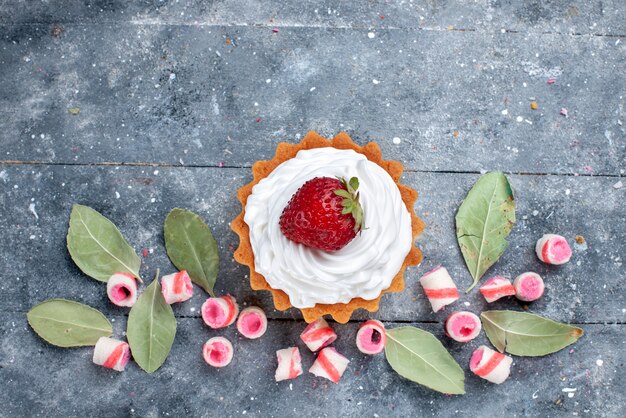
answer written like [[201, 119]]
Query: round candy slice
[[252, 322], [371, 337], [122, 289], [553, 249], [528, 286], [463, 326], [217, 352], [220, 312]]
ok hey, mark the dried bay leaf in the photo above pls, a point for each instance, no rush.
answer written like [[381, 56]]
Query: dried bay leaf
[[420, 357], [526, 334], [151, 328], [97, 246], [190, 246], [484, 221], [66, 323]]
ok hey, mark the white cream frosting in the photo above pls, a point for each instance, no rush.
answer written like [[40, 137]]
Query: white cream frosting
[[364, 267]]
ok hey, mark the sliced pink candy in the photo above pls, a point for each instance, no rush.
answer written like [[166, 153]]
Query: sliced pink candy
[[463, 326], [497, 287], [289, 364], [528, 286], [176, 287], [122, 289], [329, 364], [490, 365], [111, 353], [318, 335], [252, 322], [217, 352], [371, 337], [220, 312], [553, 249], [439, 288]]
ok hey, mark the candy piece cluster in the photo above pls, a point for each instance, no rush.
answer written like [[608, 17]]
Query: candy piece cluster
[[122, 291], [465, 326], [440, 289], [221, 312], [329, 364], [528, 287], [175, 287]]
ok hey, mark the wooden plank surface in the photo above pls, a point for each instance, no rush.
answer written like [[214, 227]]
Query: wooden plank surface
[[170, 91], [597, 17], [458, 101]]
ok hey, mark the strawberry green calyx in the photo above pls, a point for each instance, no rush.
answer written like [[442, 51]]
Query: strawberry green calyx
[[350, 202]]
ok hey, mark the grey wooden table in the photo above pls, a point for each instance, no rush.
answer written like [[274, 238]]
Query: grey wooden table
[[178, 98]]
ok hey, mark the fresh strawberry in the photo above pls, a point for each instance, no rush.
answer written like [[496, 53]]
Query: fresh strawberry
[[324, 213]]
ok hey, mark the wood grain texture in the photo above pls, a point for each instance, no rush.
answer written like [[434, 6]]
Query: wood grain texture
[[598, 17], [178, 89], [198, 95]]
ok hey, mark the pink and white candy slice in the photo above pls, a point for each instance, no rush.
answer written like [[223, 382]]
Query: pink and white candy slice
[[289, 364], [111, 353], [318, 334], [439, 288], [252, 322], [553, 249], [528, 286], [176, 287], [371, 337], [497, 287], [490, 365], [220, 312], [122, 289], [217, 352], [329, 364], [463, 326]]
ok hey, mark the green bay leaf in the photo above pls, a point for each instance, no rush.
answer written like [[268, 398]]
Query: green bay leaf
[[484, 221], [526, 334], [66, 323], [151, 328], [97, 246], [420, 357], [190, 246]]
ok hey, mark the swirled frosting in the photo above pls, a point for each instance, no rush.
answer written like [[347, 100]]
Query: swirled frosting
[[364, 267]]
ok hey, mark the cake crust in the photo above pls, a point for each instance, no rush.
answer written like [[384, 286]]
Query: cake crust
[[340, 312]]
